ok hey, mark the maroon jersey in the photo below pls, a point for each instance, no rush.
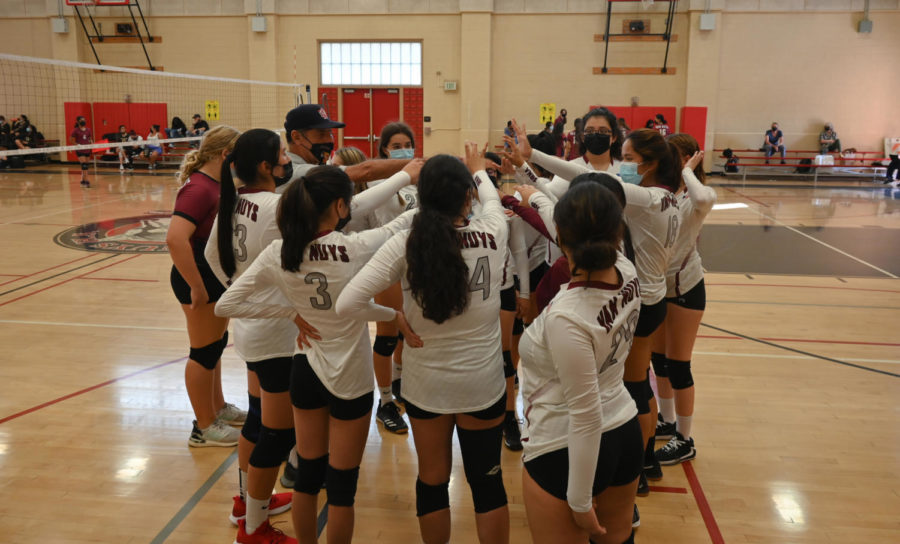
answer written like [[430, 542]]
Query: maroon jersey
[[551, 282], [82, 136], [198, 202]]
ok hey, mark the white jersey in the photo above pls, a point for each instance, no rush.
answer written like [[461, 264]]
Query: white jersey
[[653, 219], [559, 185], [342, 359], [537, 243], [365, 205], [403, 200], [254, 228], [460, 366], [517, 262], [685, 268], [573, 362]]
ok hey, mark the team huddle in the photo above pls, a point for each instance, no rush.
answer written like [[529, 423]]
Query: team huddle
[[484, 274]]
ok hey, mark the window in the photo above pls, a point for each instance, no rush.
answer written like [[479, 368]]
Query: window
[[371, 63]]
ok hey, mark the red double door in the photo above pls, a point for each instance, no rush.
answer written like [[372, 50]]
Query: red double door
[[365, 112]]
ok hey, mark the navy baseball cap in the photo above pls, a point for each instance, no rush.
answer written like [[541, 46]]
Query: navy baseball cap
[[307, 116]]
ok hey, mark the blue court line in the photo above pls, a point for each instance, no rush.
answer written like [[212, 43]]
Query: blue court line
[[808, 354], [194, 500], [322, 520]]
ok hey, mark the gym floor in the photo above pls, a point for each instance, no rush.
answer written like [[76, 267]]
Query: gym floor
[[796, 368]]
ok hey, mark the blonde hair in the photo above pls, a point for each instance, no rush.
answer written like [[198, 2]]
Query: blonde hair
[[214, 142], [350, 155]]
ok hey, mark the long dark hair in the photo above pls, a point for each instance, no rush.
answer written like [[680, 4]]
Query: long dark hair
[[436, 271], [589, 224], [300, 208], [388, 132], [251, 148], [616, 137], [543, 142], [687, 145], [615, 187], [650, 145]]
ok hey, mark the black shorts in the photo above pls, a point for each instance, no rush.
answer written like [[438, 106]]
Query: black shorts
[[85, 153], [650, 319], [491, 412], [508, 299], [309, 393], [695, 299], [274, 374], [619, 462], [183, 291], [536, 275]]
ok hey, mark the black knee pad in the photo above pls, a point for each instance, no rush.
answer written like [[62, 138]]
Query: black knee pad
[[481, 460], [518, 327], [638, 391], [508, 369], [659, 364], [340, 485], [431, 498], [680, 374], [385, 345], [209, 355], [310, 474], [630, 539], [84, 166], [253, 424], [272, 447]]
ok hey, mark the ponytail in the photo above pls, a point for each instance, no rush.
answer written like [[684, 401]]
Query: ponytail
[[214, 142], [436, 271], [225, 228], [650, 145], [687, 145], [301, 206]]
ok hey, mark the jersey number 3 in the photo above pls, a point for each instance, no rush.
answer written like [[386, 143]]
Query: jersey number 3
[[323, 299]]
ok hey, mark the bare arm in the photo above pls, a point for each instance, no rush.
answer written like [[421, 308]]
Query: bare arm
[[375, 169]]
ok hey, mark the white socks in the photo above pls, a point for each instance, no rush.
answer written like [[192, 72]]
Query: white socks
[[683, 425], [292, 458], [667, 408], [386, 395], [257, 513]]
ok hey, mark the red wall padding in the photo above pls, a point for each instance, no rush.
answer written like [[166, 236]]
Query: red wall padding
[[693, 122], [135, 116], [412, 114]]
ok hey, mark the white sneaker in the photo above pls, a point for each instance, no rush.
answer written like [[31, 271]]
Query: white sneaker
[[121, 168], [231, 415], [218, 434]]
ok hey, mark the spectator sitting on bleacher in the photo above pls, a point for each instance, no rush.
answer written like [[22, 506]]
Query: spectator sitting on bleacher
[[774, 142], [4, 133], [24, 133], [200, 126], [177, 130], [828, 140], [127, 152]]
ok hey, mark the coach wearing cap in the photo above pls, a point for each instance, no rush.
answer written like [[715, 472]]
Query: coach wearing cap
[[310, 141]]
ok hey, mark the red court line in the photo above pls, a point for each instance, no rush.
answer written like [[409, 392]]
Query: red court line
[[88, 390], [705, 511], [742, 195], [116, 279], [67, 280], [803, 340], [663, 489], [51, 268], [800, 287]]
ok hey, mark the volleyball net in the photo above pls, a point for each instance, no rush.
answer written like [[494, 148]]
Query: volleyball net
[[43, 98]]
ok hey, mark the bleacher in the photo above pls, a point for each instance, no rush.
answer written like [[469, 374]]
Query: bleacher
[[803, 163]]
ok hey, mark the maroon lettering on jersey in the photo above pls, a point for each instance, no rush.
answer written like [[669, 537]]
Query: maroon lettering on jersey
[[492, 242], [630, 291], [328, 252], [469, 240], [669, 201], [314, 254], [607, 315], [343, 251], [247, 209]]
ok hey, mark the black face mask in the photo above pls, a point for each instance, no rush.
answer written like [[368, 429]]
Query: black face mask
[[342, 222], [82, 123], [320, 151], [597, 143], [286, 177]]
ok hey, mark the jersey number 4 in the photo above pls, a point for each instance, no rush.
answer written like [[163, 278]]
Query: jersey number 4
[[481, 278]]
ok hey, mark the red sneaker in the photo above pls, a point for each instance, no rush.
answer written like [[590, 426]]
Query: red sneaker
[[280, 502], [264, 534]]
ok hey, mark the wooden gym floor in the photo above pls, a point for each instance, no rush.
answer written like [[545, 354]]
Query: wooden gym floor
[[797, 367]]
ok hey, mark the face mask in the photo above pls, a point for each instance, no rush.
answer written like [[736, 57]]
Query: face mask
[[774, 129], [405, 153], [82, 123], [322, 152], [286, 177], [28, 129], [342, 222], [597, 143], [629, 174]]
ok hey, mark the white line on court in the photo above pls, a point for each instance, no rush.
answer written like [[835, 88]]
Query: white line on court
[[90, 325], [829, 246], [779, 356]]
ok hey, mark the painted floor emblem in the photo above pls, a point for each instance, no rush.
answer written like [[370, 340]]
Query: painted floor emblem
[[142, 234]]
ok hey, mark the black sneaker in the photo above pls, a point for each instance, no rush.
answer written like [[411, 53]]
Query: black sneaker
[[643, 487], [664, 430], [653, 471], [395, 389], [512, 435], [635, 518], [389, 416], [676, 450], [289, 476]]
